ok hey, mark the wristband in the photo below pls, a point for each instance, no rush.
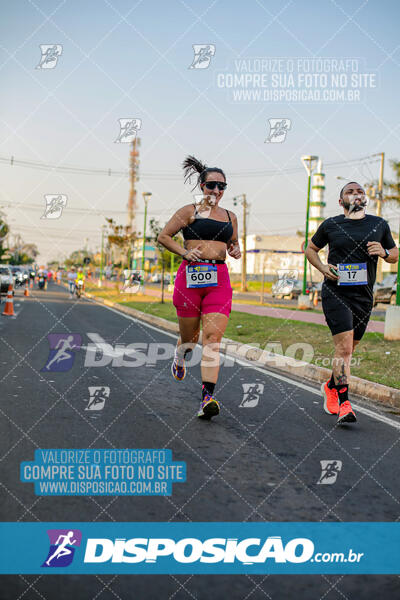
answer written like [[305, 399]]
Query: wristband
[[387, 253]]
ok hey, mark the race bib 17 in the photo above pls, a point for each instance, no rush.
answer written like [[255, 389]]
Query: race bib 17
[[353, 274]]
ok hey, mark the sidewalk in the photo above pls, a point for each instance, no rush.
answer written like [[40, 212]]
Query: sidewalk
[[297, 315], [280, 313]]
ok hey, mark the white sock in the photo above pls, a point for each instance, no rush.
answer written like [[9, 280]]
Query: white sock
[[179, 360]]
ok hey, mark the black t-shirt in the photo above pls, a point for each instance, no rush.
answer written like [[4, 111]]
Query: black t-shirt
[[347, 240]]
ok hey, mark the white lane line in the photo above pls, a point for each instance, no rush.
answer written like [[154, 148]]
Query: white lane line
[[365, 411]]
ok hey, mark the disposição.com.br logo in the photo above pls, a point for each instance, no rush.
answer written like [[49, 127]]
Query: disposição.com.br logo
[[62, 547]]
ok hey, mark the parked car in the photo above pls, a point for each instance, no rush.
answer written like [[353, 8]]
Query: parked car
[[386, 291], [6, 277], [156, 278], [290, 288]]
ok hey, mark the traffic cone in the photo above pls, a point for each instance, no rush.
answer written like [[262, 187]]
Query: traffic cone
[[31, 283], [315, 299], [26, 292], [9, 307]]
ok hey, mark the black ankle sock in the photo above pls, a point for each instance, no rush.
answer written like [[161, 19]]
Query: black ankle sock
[[207, 388], [331, 383], [343, 392]]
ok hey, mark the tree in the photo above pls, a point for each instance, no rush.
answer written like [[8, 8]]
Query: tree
[[164, 255], [21, 252], [155, 229], [122, 238], [392, 189], [76, 258], [4, 230]]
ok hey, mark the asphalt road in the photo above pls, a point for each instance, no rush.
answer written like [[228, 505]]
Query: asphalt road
[[259, 463]]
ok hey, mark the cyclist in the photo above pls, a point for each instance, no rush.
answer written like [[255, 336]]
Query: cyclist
[[356, 241], [202, 290], [71, 276], [80, 276]]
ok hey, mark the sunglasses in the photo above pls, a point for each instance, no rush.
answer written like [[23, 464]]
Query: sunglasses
[[210, 185]]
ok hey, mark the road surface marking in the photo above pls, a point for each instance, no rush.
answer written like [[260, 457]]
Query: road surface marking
[[303, 386]]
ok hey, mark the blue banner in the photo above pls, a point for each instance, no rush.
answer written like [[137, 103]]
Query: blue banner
[[103, 472], [206, 548]]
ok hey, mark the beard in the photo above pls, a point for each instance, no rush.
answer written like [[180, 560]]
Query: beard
[[355, 204]]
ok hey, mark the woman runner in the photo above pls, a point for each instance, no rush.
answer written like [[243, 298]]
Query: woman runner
[[202, 291]]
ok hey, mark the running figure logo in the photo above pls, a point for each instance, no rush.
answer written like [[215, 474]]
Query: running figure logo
[[329, 471], [55, 203], [202, 55], [133, 281], [128, 129], [278, 130], [62, 351], [98, 396], [286, 281], [50, 55], [62, 547], [251, 394]]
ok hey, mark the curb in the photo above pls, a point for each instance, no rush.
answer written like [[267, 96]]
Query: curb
[[284, 365]]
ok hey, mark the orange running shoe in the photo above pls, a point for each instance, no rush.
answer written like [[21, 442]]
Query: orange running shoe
[[331, 399], [346, 414]]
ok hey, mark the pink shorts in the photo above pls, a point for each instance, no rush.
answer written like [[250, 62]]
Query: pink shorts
[[192, 302]]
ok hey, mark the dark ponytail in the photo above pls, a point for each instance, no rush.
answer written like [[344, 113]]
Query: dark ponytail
[[192, 165]]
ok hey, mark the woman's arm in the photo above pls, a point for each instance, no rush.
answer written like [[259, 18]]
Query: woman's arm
[[180, 219], [233, 244]]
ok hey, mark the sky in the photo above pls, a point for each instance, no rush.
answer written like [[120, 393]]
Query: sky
[[131, 60]]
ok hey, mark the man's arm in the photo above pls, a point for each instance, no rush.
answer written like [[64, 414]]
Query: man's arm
[[393, 255], [313, 258], [376, 249]]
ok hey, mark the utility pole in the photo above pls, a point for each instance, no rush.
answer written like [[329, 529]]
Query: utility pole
[[133, 176], [101, 256], [379, 199], [245, 206], [379, 202], [263, 279]]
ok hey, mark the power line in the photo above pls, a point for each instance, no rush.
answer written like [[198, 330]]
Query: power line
[[166, 175]]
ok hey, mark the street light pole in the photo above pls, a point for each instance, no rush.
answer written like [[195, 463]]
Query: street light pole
[[309, 163], [146, 197]]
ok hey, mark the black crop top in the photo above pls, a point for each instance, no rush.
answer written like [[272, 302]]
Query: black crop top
[[209, 229]]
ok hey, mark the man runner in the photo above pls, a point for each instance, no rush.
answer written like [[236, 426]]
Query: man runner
[[355, 240]]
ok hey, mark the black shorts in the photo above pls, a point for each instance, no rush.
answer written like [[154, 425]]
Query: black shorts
[[346, 312]]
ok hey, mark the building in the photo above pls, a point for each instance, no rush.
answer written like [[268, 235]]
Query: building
[[150, 255], [275, 251]]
